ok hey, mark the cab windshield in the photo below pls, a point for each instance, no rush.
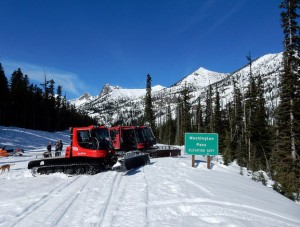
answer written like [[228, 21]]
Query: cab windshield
[[140, 135], [102, 138], [100, 133], [95, 139]]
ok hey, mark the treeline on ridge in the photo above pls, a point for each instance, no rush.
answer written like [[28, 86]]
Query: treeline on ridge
[[26, 105]]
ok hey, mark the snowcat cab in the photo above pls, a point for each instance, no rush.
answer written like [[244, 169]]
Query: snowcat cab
[[126, 138], [91, 141], [141, 138], [145, 137]]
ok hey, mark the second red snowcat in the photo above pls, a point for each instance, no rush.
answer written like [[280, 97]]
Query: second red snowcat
[[140, 139]]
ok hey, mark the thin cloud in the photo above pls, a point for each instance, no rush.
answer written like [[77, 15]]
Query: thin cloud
[[202, 15], [69, 81], [197, 18], [225, 17]]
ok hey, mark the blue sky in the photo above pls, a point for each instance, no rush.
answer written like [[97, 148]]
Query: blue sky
[[83, 44]]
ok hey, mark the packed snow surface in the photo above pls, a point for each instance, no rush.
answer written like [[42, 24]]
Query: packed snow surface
[[167, 192]]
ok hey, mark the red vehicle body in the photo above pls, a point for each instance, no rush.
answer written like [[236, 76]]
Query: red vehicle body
[[90, 152], [126, 138], [90, 141]]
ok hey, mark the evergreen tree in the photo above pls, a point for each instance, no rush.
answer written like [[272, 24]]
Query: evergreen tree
[[263, 139], [288, 111], [27, 106], [217, 115], [4, 97], [208, 121], [250, 106], [63, 112], [168, 129], [199, 117], [186, 107], [30, 106], [183, 116], [228, 152], [37, 108], [45, 86], [52, 114], [258, 135], [179, 134], [285, 159], [171, 127], [18, 91], [236, 124], [149, 114], [58, 104], [219, 121]]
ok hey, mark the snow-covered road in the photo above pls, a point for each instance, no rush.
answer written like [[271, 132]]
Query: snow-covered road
[[168, 192]]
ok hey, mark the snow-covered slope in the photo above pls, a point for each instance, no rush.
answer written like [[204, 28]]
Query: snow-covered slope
[[167, 192], [268, 67], [110, 94]]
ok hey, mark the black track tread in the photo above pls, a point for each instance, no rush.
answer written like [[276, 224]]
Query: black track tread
[[77, 168]]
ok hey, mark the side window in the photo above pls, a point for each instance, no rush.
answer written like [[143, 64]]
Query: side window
[[84, 138], [113, 134]]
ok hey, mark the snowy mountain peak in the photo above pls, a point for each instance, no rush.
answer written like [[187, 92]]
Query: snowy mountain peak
[[202, 70], [107, 88], [86, 97], [157, 88], [201, 78]]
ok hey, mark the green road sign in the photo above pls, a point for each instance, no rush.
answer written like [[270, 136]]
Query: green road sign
[[201, 143]]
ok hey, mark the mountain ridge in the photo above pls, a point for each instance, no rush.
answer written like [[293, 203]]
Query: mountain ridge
[[114, 103]]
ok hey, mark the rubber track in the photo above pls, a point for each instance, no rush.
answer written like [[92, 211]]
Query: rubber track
[[72, 169]]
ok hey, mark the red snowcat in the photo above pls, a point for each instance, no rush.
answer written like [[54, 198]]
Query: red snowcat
[[91, 151], [139, 138]]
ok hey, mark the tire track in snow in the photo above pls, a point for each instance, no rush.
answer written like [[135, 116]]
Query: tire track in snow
[[207, 209], [86, 194], [146, 197], [202, 188], [130, 201], [62, 208], [105, 213], [44, 199], [81, 204]]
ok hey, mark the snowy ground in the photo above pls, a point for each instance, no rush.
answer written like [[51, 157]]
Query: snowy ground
[[167, 192]]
